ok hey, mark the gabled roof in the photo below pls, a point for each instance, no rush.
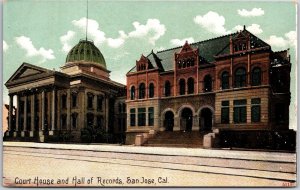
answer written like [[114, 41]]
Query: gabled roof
[[208, 49], [28, 72]]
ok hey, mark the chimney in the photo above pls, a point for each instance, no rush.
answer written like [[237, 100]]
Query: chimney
[[244, 27]]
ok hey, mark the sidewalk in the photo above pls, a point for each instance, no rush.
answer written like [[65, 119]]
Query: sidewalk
[[210, 153]]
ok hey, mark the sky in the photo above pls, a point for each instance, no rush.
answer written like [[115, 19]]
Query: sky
[[42, 32]]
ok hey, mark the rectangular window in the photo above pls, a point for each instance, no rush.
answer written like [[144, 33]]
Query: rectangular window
[[132, 117], [63, 121], [141, 116], [64, 101], [99, 122], [255, 110], [99, 103], [225, 112], [90, 101], [74, 100], [151, 116], [240, 111]]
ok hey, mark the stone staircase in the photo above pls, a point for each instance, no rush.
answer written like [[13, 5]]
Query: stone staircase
[[193, 139]]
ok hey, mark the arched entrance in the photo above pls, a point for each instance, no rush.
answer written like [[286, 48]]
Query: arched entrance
[[169, 121], [186, 120], [205, 120]]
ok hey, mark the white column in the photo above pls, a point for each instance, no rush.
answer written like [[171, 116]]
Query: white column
[[33, 113], [68, 110], [10, 112], [53, 110], [43, 110], [25, 114]]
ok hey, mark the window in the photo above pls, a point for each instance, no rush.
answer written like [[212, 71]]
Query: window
[[181, 87], [225, 80], [142, 91], [63, 121], [190, 86], [124, 108], [132, 117], [151, 116], [90, 101], [280, 113], [99, 121], [239, 111], [90, 119], [74, 100], [64, 101], [132, 93], [256, 77], [167, 88], [207, 83], [141, 116], [99, 103], [151, 90], [74, 120], [120, 107], [255, 110], [240, 77], [225, 112]]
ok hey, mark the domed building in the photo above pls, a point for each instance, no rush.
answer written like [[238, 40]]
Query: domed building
[[80, 103]]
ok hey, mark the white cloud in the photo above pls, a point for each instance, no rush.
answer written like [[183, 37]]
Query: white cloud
[[292, 38], [117, 42], [26, 44], [65, 40], [5, 46], [178, 42], [212, 22], [153, 30], [253, 28], [289, 40], [252, 13], [93, 29]]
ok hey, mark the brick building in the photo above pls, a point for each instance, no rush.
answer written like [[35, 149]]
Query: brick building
[[233, 82], [58, 104]]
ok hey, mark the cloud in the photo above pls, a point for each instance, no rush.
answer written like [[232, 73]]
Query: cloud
[[93, 29], [212, 22], [254, 28], [5, 46], [117, 42], [26, 44], [153, 30], [289, 40], [178, 42], [292, 38], [252, 13], [65, 40]]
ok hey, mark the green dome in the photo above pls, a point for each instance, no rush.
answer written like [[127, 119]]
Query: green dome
[[86, 51]]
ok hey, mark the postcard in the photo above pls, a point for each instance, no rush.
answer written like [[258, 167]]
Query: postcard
[[132, 93]]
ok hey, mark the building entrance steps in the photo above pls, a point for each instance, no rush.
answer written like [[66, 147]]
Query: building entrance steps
[[192, 139]]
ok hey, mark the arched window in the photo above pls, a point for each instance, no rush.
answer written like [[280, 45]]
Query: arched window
[[207, 83], [167, 88], [240, 77], [190, 86], [225, 80], [151, 90], [142, 91], [132, 93], [256, 76], [182, 87]]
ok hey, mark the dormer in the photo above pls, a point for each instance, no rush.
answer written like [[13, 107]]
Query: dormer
[[186, 57], [240, 42], [142, 64]]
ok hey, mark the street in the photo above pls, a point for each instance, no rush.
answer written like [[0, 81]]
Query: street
[[49, 167]]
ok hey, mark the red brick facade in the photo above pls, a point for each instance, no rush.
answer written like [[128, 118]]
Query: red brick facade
[[234, 81]]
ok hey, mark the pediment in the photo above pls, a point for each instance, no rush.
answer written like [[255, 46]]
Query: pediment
[[26, 71], [186, 48]]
